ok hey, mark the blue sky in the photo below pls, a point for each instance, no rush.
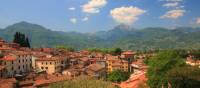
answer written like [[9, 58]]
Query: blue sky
[[100, 15]]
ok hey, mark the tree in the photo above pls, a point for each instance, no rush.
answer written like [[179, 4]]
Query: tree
[[117, 51], [21, 39], [184, 77], [118, 76], [83, 82], [160, 65], [67, 48], [1, 55]]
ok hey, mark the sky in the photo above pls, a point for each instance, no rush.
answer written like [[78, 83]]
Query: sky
[[100, 15]]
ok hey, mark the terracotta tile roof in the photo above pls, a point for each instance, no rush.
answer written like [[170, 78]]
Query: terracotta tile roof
[[135, 81], [51, 79], [95, 67], [128, 52], [7, 83], [9, 58]]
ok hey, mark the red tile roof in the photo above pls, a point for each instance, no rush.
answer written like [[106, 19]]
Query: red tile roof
[[9, 58], [128, 52]]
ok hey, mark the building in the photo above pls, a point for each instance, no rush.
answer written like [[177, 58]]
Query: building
[[191, 61], [16, 63], [96, 70], [128, 56], [116, 63], [50, 65]]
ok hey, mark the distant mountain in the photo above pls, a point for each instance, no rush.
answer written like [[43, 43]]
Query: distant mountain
[[120, 36], [42, 37]]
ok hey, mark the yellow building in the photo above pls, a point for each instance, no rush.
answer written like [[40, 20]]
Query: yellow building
[[115, 63], [50, 65]]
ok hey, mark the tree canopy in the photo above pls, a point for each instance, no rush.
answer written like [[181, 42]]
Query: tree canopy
[[184, 77], [118, 76], [160, 65], [21, 39]]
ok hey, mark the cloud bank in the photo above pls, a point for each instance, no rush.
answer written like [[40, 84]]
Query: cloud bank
[[126, 15]]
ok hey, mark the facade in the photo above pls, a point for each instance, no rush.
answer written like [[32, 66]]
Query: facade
[[115, 63], [16, 64], [50, 65], [96, 70]]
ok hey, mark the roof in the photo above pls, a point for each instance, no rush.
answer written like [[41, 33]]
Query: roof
[[9, 58], [7, 83], [51, 79], [128, 52], [95, 67]]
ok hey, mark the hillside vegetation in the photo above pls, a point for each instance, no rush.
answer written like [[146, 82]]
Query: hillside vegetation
[[121, 36]]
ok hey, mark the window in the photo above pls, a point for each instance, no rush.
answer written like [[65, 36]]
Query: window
[[46, 67], [12, 68], [50, 63], [18, 67], [19, 61], [42, 62], [42, 67], [23, 60], [4, 63], [12, 62]]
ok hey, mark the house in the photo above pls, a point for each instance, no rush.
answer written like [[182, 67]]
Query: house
[[116, 63], [8, 83], [83, 61], [96, 70], [49, 64], [191, 61], [16, 63]]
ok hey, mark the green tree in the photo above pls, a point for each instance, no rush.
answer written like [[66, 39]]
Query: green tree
[[21, 39], [1, 55], [160, 65], [83, 82], [184, 77], [118, 76], [117, 51], [67, 48]]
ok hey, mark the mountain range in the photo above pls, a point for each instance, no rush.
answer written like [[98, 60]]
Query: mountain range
[[121, 36]]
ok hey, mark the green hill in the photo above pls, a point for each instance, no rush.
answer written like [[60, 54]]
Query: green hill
[[121, 36]]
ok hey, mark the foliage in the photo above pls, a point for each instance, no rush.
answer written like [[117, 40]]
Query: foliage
[[1, 55], [21, 39], [118, 76], [83, 82], [113, 51], [130, 39], [160, 65], [67, 48], [184, 77]]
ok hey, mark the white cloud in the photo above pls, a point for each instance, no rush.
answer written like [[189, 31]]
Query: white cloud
[[126, 15], [73, 20], [85, 19], [172, 4], [72, 8], [198, 21], [173, 14], [93, 6]]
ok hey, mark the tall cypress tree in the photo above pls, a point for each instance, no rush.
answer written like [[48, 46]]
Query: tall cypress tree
[[27, 42], [21, 39]]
